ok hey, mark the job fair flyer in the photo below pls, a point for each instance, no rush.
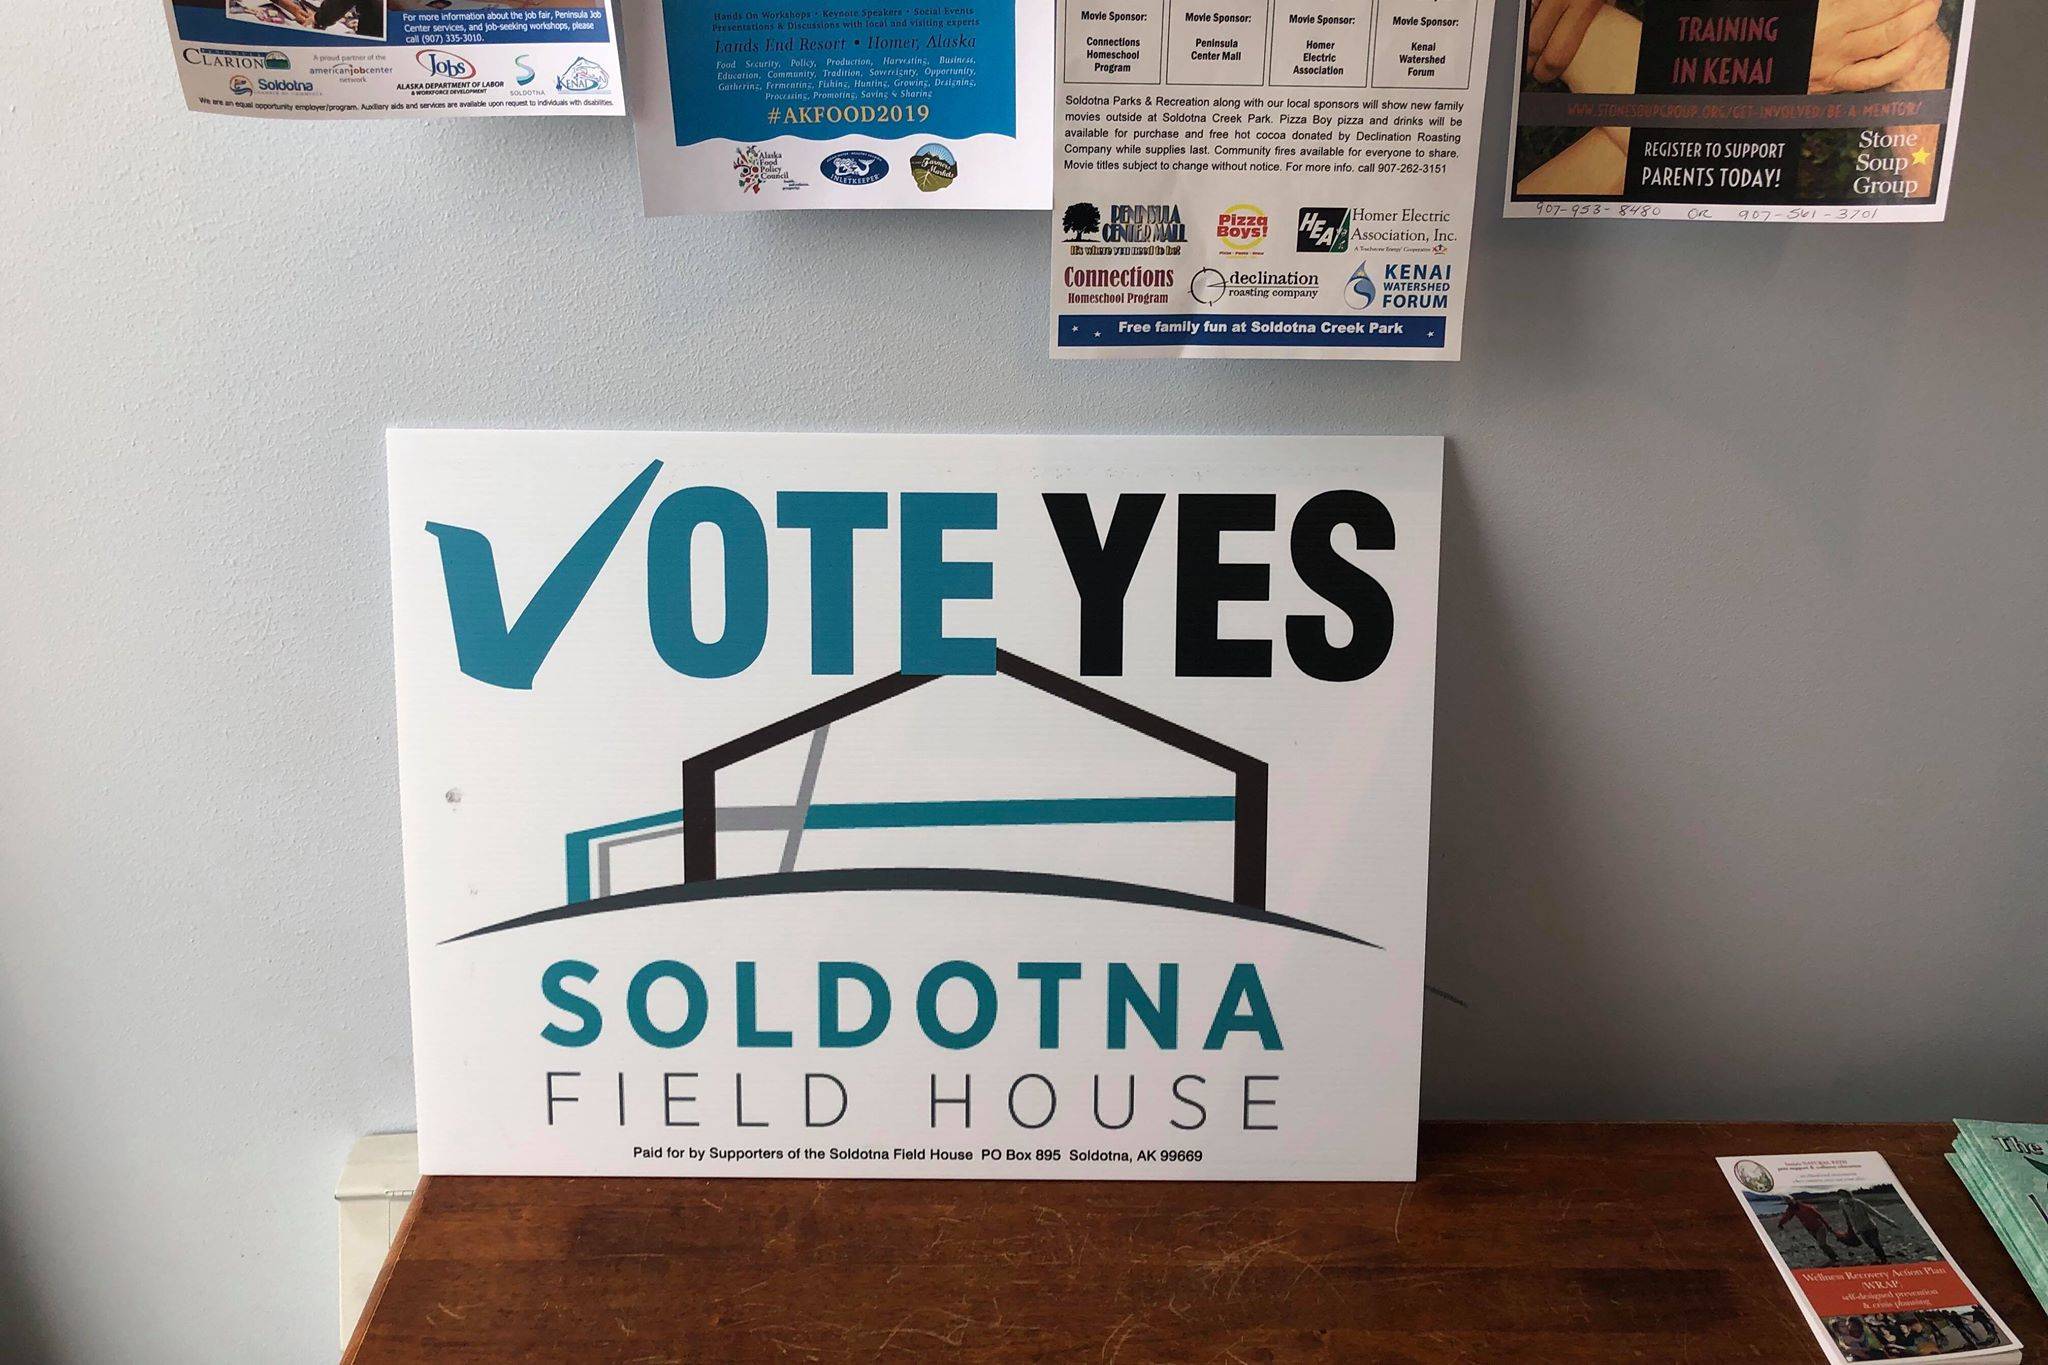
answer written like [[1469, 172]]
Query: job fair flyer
[[395, 58], [1266, 178], [1733, 111], [826, 104]]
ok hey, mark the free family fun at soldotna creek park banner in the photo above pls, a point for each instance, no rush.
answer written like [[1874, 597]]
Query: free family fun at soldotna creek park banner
[[393, 58], [806, 104], [916, 806]]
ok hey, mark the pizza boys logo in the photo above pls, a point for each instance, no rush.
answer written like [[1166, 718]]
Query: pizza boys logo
[[1242, 229]]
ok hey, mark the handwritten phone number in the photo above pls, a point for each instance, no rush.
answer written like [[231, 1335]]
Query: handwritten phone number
[[1704, 213]]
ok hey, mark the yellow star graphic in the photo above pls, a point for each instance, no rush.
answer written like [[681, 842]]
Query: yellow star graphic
[[1922, 157]]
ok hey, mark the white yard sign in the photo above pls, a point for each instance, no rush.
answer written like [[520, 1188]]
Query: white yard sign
[[916, 805]]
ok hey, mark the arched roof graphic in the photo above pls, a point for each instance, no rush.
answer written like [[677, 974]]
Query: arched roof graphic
[[1248, 852]]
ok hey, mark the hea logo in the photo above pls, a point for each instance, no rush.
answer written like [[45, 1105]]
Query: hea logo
[[446, 65]]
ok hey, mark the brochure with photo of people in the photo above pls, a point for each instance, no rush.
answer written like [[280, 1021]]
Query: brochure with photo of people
[[1801, 111], [1871, 1279]]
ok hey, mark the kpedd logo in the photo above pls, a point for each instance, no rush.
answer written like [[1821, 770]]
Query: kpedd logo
[[447, 66], [583, 77], [853, 168]]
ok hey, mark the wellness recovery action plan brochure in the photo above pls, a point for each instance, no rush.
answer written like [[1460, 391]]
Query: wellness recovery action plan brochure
[[1872, 1280]]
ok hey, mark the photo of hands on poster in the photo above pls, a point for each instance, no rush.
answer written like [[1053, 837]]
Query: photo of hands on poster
[[1810, 110]]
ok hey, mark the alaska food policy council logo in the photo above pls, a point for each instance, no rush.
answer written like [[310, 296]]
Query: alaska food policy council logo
[[1753, 1176], [854, 168], [759, 167]]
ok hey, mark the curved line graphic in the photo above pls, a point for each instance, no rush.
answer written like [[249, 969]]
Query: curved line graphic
[[912, 879]]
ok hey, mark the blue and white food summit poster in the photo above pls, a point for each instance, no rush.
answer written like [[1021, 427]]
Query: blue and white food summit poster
[[816, 104], [915, 806]]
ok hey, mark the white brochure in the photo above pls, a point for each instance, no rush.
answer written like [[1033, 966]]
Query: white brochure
[[1266, 178]]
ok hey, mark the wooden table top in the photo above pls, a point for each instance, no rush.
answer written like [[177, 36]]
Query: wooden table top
[[1519, 1243]]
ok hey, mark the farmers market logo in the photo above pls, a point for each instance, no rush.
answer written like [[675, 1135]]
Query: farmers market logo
[[934, 168]]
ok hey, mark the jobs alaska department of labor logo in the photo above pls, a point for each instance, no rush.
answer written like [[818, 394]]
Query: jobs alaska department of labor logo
[[447, 66]]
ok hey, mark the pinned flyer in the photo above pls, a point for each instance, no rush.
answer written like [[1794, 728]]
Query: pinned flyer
[[1266, 178], [1872, 1281], [1800, 111], [310, 59], [829, 104]]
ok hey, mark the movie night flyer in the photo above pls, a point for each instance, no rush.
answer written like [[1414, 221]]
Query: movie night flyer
[[1738, 110], [1281, 179]]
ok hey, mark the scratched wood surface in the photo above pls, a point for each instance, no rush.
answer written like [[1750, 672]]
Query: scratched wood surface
[[1519, 1243]]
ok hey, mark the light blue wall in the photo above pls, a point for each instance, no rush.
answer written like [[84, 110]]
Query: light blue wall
[[1742, 776]]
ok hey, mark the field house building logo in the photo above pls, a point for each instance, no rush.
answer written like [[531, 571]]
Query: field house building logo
[[588, 880]]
